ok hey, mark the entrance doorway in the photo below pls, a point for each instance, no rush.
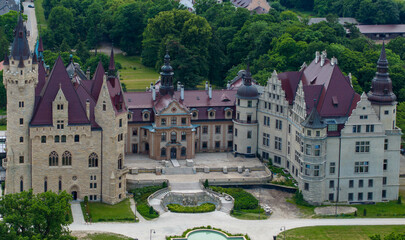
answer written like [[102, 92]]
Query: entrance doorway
[[173, 153], [134, 148], [147, 147], [74, 195]]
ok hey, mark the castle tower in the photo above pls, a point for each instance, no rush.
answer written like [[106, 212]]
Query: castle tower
[[20, 77], [314, 156], [166, 77], [381, 96], [245, 124]]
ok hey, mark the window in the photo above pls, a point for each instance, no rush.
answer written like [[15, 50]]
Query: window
[[386, 112], [385, 144], [332, 127], [350, 197], [21, 121], [369, 128], [306, 186], [59, 124], [21, 104], [183, 151], [249, 103], [307, 169], [217, 144], [370, 183], [317, 150], [266, 139], [385, 165], [163, 152], [361, 167], [331, 184], [266, 121], [230, 129], [45, 184], [279, 124], [163, 137], [163, 121], [145, 132], [316, 170], [238, 102], [43, 139], [249, 150], [104, 106], [21, 159], [183, 121], [174, 121], [277, 159], [135, 132], [236, 132], [93, 160], [217, 129], [331, 197], [236, 147], [237, 116], [63, 138], [308, 149], [146, 116], [309, 133], [363, 146], [360, 196], [230, 143], [384, 180], [288, 147], [249, 118], [60, 184], [21, 139], [228, 113], [351, 183], [173, 137], [361, 183], [66, 159], [60, 106], [205, 130], [21, 184], [357, 128], [277, 143], [249, 134], [212, 114], [119, 185], [297, 137], [183, 136], [318, 133], [363, 117], [384, 193], [204, 145], [53, 159], [119, 162]]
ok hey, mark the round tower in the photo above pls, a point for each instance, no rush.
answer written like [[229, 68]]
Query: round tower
[[166, 77], [313, 162], [245, 124]]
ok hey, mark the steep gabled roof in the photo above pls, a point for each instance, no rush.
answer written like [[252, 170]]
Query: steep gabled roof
[[20, 47], [41, 78], [98, 81], [59, 79]]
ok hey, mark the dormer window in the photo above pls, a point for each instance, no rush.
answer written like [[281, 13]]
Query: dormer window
[[211, 113], [146, 115]]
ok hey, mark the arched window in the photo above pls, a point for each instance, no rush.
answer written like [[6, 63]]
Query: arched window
[[45, 184], [183, 151], [66, 159], [21, 184], [63, 138], [163, 137], [163, 152], [60, 184], [93, 160], [120, 161], [173, 137], [53, 159]]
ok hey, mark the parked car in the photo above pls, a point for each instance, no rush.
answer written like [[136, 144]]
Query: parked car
[[403, 151], [31, 6]]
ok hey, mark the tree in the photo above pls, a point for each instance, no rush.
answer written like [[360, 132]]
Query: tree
[[391, 236], [3, 93], [93, 19], [30, 216], [60, 25]]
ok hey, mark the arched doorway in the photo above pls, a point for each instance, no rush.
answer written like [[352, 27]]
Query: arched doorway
[[173, 153], [75, 192]]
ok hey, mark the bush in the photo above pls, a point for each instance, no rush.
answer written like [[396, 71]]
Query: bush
[[206, 184], [144, 210], [399, 200], [299, 199], [243, 199], [206, 207], [365, 212], [164, 185], [141, 198]]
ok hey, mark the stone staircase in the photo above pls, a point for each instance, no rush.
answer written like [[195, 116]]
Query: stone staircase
[[178, 170]]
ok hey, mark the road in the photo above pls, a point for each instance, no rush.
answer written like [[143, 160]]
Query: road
[[31, 24], [176, 223]]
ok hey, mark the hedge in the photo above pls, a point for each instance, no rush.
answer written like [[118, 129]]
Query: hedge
[[243, 199], [205, 207], [141, 198]]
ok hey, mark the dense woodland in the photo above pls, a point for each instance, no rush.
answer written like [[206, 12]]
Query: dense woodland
[[216, 41]]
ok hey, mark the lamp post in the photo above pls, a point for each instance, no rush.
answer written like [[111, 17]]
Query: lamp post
[[283, 230], [150, 233]]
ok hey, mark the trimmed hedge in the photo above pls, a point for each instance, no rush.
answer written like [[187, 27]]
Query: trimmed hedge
[[141, 198], [206, 207], [243, 199], [144, 210]]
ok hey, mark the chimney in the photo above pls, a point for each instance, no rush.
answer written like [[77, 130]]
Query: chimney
[[178, 85], [333, 61], [88, 108], [210, 92], [151, 86], [182, 93], [228, 85], [323, 58], [316, 56], [206, 85], [350, 79], [88, 73], [153, 93]]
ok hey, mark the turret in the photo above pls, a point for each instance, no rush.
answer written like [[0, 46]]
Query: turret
[[166, 76]]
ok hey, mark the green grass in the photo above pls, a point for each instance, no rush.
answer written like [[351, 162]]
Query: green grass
[[339, 232], [39, 13], [120, 212], [135, 79], [256, 214], [3, 127], [379, 210], [206, 207], [104, 236], [3, 112]]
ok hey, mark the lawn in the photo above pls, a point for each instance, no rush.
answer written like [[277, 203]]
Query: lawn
[[3, 127], [39, 13], [120, 212], [3, 112], [135, 75], [381, 210], [339, 232], [104, 236]]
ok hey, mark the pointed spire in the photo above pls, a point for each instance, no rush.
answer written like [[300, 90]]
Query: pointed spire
[[111, 66], [6, 60], [314, 120], [247, 77], [40, 45], [34, 58], [20, 45], [382, 60], [166, 77], [21, 63]]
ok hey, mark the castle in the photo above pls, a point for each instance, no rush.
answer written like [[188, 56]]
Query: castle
[[338, 145]]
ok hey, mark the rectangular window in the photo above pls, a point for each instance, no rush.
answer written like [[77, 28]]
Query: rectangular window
[[384, 180], [230, 143], [384, 193], [57, 139], [297, 137], [309, 133], [306, 186], [183, 121], [317, 150], [316, 170], [370, 183], [230, 129], [279, 124], [350, 197], [163, 137], [59, 124], [249, 149], [120, 123], [386, 112], [266, 139], [318, 133], [277, 159], [77, 138], [385, 165], [135, 132], [351, 183], [357, 128], [363, 146], [361, 183], [277, 143], [21, 159], [174, 121], [363, 117], [249, 103], [332, 127], [331, 197], [332, 168], [236, 132], [308, 149], [218, 129], [360, 196], [204, 145], [369, 128], [249, 134], [370, 196], [183, 136], [43, 139], [331, 184], [249, 118], [21, 104], [163, 121], [205, 130], [63, 138], [236, 147], [307, 169], [361, 167], [21, 121], [385, 144]]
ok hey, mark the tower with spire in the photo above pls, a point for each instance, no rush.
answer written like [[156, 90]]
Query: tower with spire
[[166, 77], [20, 78], [381, 95]]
